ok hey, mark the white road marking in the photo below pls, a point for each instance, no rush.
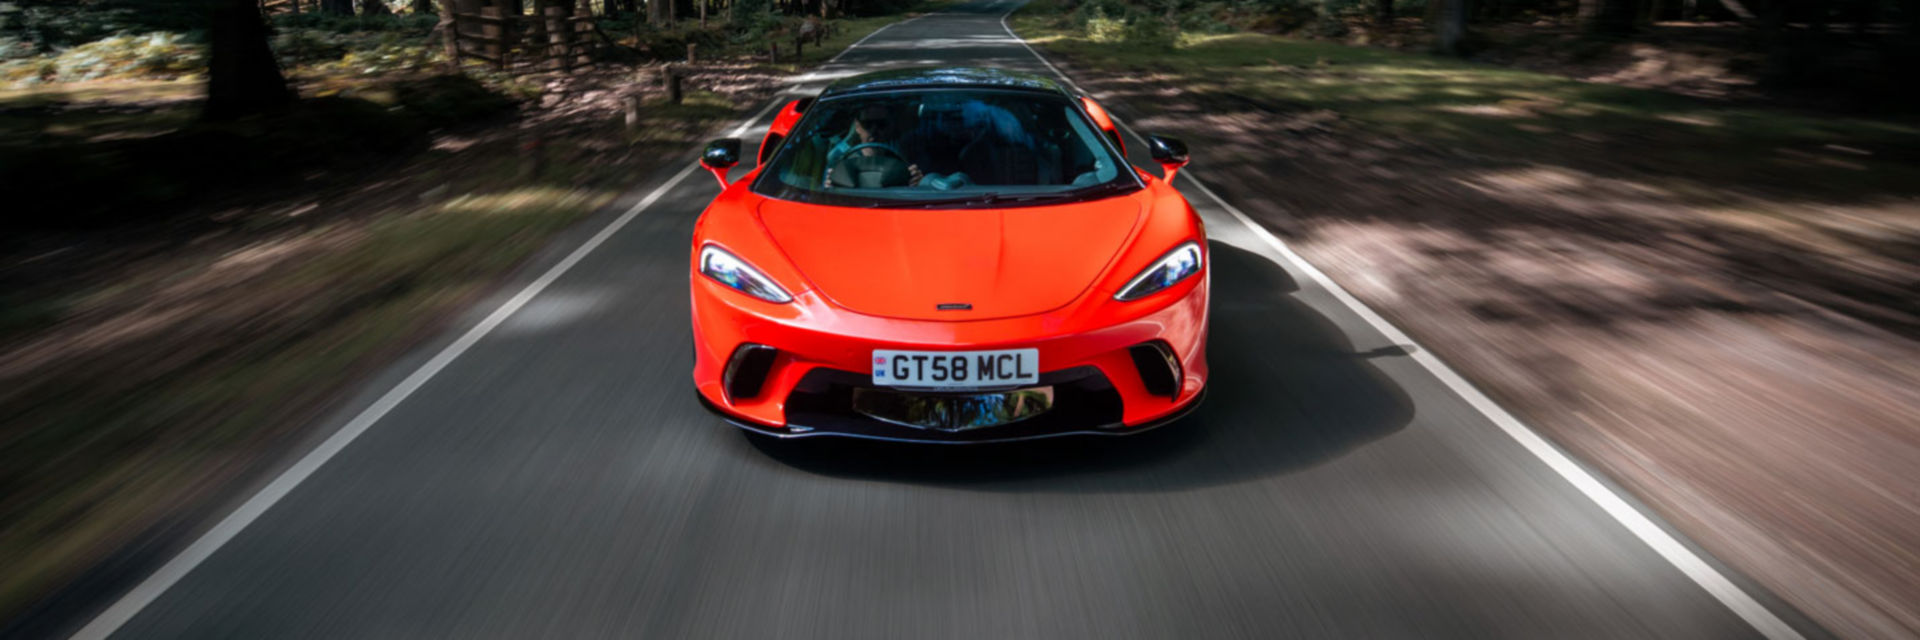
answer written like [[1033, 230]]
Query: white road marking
[[1675, 553], [150, 589], [169, 574]]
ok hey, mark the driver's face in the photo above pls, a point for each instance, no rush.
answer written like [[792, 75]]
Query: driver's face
[[872, 125]]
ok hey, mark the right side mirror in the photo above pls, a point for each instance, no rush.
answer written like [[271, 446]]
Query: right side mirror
[[1171, 153], [720, 157]]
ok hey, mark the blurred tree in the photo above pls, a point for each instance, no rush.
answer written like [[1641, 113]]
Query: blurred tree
[[1607, 16], [1383, 12], [422, 7], [242, 76], [1451, 29], [337, 7]]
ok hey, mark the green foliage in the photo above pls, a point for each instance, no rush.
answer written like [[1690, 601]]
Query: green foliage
[[125, 178], [1150, 33], [307, 46], [412, 25], [1209, 18], [386, 57], [1284, 16], [747, 14], [1328, 27], [1103, 29], [153, 55], [755, 27], [356, 45], [671, 44], [51, 25]]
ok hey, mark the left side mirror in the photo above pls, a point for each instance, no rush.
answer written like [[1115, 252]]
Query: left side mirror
[[1171, 153], [720, 157]]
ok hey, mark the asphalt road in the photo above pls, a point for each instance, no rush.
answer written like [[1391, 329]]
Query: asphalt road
[[558, 479]]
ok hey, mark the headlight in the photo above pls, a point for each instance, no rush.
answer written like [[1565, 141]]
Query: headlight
[[1179, 264], [730, 270]]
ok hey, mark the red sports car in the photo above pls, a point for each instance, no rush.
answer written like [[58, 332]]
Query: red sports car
[[948, 255]]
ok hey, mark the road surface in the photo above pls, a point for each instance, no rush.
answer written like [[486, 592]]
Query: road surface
[[544, 470]]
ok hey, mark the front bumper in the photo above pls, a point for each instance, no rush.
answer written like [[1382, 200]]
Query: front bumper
[[821, 354], [823, 411]]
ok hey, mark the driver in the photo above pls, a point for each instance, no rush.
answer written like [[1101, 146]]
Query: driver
[[872, 124]]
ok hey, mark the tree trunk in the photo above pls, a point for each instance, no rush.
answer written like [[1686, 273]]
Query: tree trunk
[[1452, 27], [422, 7], [1383, 13], [659, 12], [242, 77], [1614, 17], [337, 7], [374, 8], [450, 36], [559, 42]]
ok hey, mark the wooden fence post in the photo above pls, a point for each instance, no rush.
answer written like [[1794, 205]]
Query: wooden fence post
[[773, 53], [632, 105], [533, 154], [583, 41], [691, 58], [493, 36], [670, 78]]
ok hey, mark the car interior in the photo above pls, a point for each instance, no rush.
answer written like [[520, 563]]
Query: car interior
[[946, 141]]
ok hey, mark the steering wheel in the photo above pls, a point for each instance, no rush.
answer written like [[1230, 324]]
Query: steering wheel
[[857, 169]]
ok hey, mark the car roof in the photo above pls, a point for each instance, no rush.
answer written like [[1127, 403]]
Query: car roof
[[942, 77]]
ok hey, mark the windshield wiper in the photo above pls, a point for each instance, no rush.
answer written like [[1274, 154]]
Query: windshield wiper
[[991, 198]]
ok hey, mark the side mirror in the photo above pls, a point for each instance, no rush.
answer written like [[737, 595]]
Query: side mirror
[[1171, 153], [720, 157]]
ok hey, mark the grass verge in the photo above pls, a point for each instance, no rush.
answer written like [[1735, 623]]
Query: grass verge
[[1674, 140]]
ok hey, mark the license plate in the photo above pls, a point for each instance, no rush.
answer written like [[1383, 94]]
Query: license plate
[[956, 369]]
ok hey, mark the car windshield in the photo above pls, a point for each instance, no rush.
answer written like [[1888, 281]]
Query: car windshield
[[945, 148]]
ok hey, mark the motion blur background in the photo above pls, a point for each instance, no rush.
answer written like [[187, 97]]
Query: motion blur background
[[1680, 237]]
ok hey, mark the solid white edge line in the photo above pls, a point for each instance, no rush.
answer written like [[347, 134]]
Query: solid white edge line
[[129, 605], [1716, 584]]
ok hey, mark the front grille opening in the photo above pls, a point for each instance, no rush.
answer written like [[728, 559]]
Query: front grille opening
[[952, 411], [1081, 399]]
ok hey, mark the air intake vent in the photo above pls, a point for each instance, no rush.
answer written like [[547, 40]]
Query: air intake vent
[[747, 371], [1159, 370]]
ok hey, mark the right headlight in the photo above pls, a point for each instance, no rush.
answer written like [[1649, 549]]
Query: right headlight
[[730, 270], [1179, 264]]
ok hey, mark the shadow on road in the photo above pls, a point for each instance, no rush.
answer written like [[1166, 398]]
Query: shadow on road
[[1287, 392]]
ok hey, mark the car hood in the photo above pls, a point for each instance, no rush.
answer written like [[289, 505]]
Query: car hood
[[909, 263]]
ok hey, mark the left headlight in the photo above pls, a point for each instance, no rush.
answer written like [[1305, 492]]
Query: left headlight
[[730, 270], [1179, 264]]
